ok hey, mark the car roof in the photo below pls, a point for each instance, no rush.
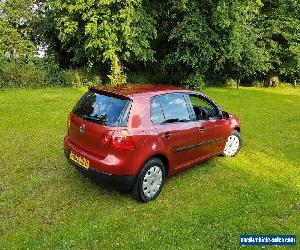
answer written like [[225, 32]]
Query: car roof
[[130, 90]]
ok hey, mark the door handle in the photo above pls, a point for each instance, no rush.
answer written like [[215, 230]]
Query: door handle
[[201, 129], [167, 135]]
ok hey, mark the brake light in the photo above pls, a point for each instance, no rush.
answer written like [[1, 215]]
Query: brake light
[[119, 139]]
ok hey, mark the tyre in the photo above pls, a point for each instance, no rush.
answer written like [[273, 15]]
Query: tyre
[[233, 144], [150, 180]]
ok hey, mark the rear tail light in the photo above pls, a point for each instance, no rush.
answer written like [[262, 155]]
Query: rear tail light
[[119, 139]]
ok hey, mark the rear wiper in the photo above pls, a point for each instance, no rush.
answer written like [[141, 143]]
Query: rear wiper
[[96, 118], [100, 119]]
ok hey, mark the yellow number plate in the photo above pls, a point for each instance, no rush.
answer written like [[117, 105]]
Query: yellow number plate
[[80, 160]]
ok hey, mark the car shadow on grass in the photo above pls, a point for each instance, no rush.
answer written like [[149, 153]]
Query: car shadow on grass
[[94, 179], [106, 187]]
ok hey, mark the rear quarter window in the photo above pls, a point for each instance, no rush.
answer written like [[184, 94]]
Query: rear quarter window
[[103, 109], [157, 115]]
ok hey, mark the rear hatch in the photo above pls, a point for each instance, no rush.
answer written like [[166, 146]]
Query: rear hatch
[[94, 115]]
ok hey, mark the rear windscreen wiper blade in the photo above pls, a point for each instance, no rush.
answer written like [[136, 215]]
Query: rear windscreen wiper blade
[[100, 120], [94, 118]]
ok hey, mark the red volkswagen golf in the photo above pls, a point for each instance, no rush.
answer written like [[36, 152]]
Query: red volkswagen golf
[[137, 135]]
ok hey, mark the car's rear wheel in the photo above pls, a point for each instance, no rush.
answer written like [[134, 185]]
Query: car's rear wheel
[[233, 144], [150, 181]]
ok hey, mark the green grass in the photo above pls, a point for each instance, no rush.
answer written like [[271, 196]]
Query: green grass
[[45, 203]]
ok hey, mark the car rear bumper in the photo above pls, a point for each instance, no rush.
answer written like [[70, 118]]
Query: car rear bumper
[[123, 182]]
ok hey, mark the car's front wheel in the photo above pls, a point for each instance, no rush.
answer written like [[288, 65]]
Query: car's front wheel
[[150, 180], [233, 144]]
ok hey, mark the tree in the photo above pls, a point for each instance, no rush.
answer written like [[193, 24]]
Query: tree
[[104, 31], [192, 37], [13, 45], [219, 38], [15, 17], [279, 23], [243, 53]]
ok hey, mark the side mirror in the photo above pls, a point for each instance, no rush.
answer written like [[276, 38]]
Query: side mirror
[[225, 115]]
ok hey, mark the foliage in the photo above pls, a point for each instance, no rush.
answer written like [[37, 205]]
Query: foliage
[[104, 31], [192, 37], [219, 38], [279, 23], [18, 74], [12, 44], [18, 13], [117, 75], [80, 78], [42, 72], [194, 81], [196, 41], [15, 18], [34, 73], [153, 77]]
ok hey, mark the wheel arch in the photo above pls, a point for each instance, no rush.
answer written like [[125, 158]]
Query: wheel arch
[[237, 129], [163, 158]]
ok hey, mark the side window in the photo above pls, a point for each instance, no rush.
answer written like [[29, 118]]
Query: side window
[[203, 109], [157, 115], [169, 108]]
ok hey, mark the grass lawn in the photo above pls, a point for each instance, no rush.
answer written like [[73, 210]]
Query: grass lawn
[[45, 203]]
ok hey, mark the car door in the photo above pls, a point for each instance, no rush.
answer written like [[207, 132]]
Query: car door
[[211, 128], [172, 119]]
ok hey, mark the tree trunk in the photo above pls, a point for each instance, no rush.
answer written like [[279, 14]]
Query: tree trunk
[[272, 80], [116, 73], [238, 82]]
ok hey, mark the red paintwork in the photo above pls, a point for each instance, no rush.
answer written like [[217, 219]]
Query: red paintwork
[[149, 140]]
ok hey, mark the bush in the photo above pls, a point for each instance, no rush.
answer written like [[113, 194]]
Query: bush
[[21, 73], [230, 83], [42, 72], [80, 77], [54, 76], [151, 78], [16, 74], [194, 81]]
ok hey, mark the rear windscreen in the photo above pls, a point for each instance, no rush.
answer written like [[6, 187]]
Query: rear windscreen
[[102, 109]]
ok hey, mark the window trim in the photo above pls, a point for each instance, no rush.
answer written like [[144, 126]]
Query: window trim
[[168, 123], [162, 111], [125, 115]]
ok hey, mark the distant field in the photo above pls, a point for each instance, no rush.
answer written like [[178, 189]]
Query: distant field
[[45, 203]]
